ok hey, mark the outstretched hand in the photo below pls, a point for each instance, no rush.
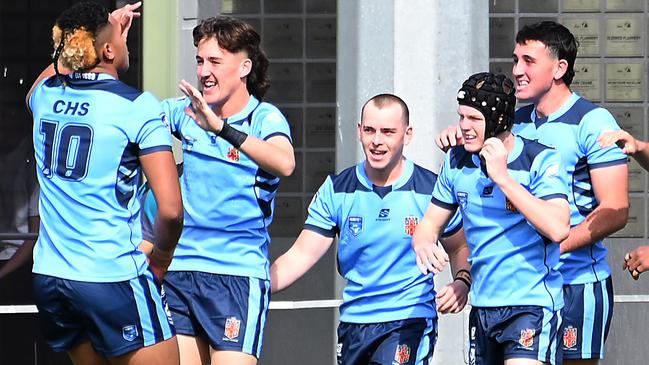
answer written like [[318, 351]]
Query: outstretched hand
[[637, 261], [621, 138], [125, 15], [199, 110]]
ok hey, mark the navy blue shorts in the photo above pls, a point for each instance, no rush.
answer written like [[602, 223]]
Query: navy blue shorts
[[586, 319], [502, 333], [116, 318], [228, 312], [409, 341]]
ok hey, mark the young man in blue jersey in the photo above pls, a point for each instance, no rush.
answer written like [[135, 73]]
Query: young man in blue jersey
[[544, 58], [388, 313], [636, 261], [511, 193], [98, 298], [235, 150]]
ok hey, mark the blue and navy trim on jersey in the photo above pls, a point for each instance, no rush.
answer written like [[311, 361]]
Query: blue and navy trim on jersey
[[228, 198], [573, 130], [375, 225], [512, 263]]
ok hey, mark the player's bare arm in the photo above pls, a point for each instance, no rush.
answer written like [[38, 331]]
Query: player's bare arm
[[431, 257], [453, 297], [610, 185], [305, 252]]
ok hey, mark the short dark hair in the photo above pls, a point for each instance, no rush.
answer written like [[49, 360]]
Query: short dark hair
[[235, 35], [558, 40], [383, 100]]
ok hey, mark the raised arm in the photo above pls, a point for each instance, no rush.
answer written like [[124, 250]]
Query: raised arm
[[274, 155], [305, 252], [635, 148]]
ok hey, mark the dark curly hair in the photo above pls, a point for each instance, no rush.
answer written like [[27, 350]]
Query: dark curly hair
[[74, 35], [235, 35]]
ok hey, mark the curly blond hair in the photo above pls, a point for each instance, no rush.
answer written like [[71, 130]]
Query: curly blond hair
[[78, 52]]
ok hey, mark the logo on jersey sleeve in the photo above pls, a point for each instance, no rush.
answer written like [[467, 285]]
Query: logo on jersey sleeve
[[233, 154], [402, 355], [462, 199], [355, 225], [409, 225], [569, 338], [527, 338], [129, 333], [231, 331]]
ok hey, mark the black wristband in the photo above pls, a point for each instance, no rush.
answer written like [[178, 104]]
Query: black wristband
[[464, 280], [461, 271], [232, 135]]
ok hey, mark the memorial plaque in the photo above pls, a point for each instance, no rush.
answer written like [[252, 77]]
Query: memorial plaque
[[241, 7], [321, 82], [286, 83], [321, 127], [637, 219], [288, 217], [502, 6], [321, 6], [636, 177], [501, 37], [587, 81], [586, 31], [321, 38], [293, 183], [624, 82], [283, 6], [536, 6], [318, 166], [295, 121], [624, 37], [624, 5], [581, 5], [630, 119], [283, 38]]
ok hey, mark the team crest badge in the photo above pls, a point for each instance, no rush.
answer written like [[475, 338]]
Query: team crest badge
[[355, 225], [129, 333], [527, 338], [233, 154], [402, 355], [462, 199], [409, 225], [569, 337], [232, 325]]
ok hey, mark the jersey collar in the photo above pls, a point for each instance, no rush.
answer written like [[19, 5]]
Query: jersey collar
[[408, 168], [243, 114], [561, 111], [91, 76]]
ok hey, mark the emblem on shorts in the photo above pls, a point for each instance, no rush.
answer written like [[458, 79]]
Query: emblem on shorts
[[233, 154], [409, 225], [129, 333], [462, 199], [402, 355], [232, 326], [569, 337], [339, 349], [527, 338], [355, 225]]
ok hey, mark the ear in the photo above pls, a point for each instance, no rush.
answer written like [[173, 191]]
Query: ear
[[408, 136], [561, 69], [107, 52], [358, 130], [245, 68]]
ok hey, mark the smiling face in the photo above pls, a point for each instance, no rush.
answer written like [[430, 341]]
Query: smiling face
[[221, 74], [383, 133], [535, 70], [472, 125]]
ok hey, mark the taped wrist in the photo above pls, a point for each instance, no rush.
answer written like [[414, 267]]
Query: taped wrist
[[464, 276], [232, 135]]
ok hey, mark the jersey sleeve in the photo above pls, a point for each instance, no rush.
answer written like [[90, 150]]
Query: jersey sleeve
[[321, 213], [443, 190], [153, 135], [453, 225], [271, 123], [548, 176], [595, 123], [173, 113]]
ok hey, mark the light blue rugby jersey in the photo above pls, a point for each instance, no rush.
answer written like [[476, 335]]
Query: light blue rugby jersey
[[511, 263], [375, 225], [228, 198], [573, 130], [87, 138]]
